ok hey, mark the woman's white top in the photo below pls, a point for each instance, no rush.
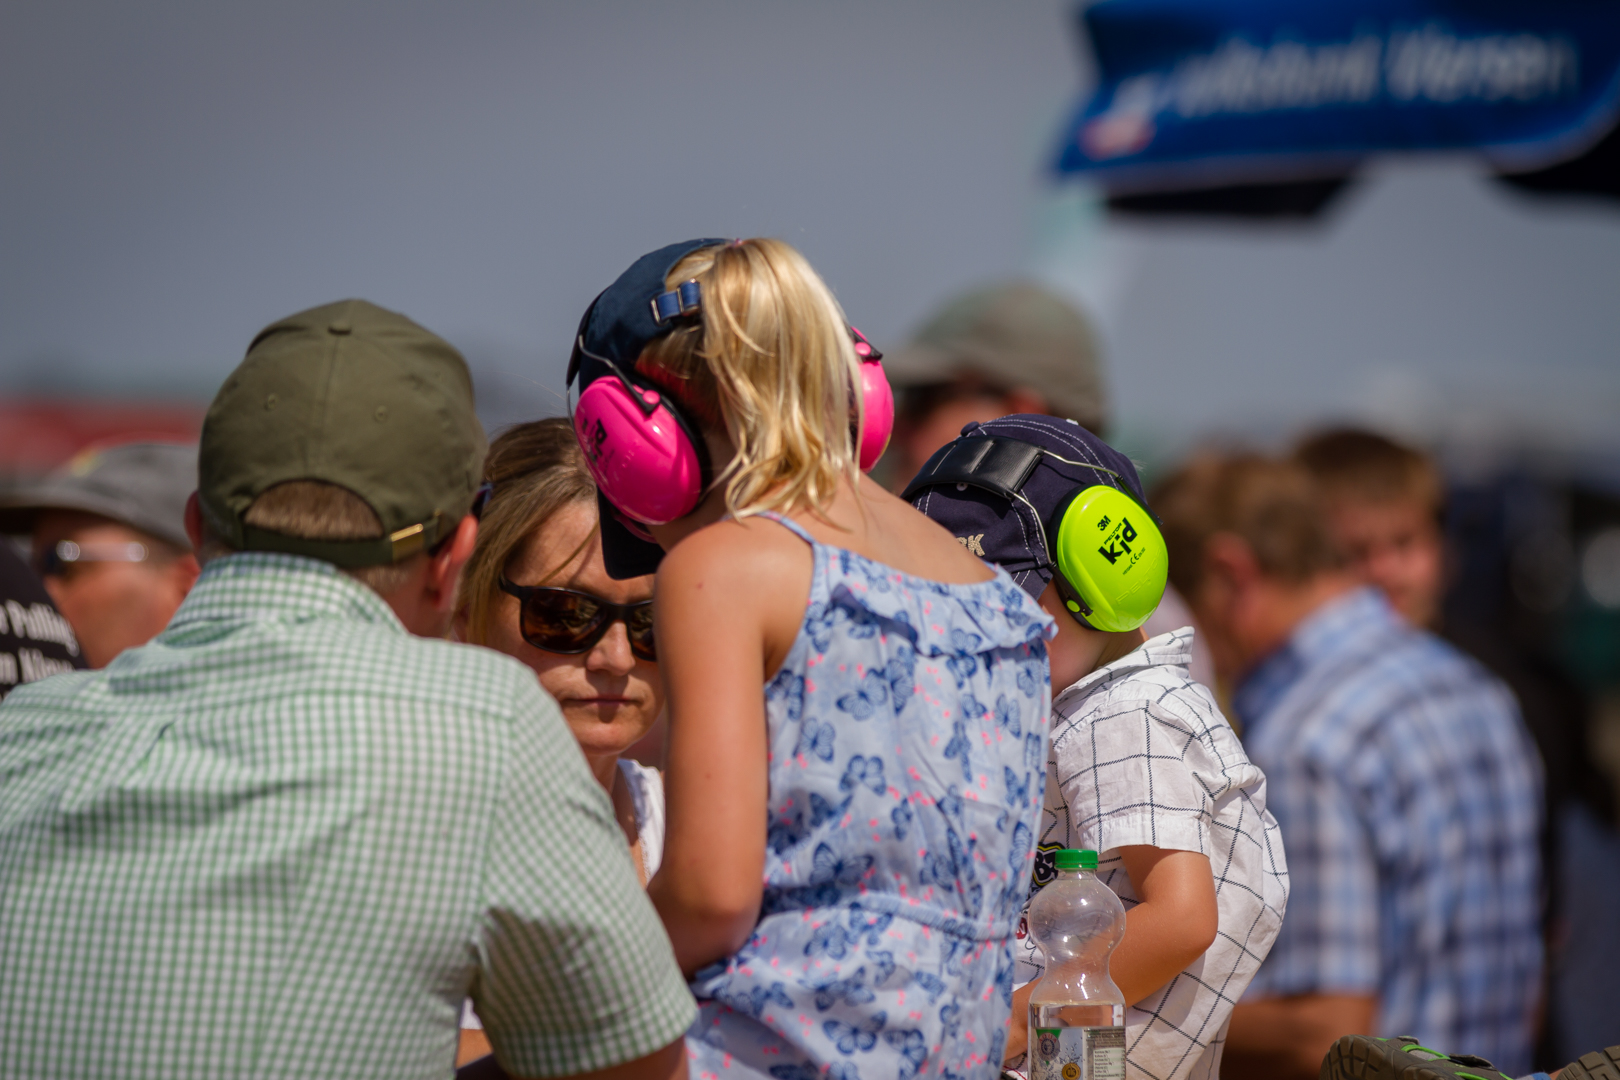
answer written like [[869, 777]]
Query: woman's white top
[[646, 786]]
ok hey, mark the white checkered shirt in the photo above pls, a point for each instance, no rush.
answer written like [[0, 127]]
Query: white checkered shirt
[[287, 838], [1140, 754]]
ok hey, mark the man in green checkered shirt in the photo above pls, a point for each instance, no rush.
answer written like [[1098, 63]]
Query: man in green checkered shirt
[[288, 837]]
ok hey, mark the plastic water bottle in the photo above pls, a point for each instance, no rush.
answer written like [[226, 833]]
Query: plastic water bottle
[[1076, 1013]]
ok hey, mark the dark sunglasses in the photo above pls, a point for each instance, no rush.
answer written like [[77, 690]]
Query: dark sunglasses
[[569, 622]]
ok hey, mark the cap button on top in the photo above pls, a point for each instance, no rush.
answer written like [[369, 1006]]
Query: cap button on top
[[338, 326]]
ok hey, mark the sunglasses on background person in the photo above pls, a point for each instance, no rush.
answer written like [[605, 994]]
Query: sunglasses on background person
[[59, 560], [570, 622]]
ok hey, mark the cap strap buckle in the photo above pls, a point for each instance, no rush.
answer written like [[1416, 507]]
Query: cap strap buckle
[[407, 541], [424, 534], [684, 299]]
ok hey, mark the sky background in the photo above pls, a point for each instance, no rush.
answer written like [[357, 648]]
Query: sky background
[[175, 175]]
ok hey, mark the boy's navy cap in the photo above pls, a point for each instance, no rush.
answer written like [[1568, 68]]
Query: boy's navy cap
[[987, 519], [618, 325]]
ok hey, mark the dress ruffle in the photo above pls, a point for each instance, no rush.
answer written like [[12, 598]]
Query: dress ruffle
[[937, 618]]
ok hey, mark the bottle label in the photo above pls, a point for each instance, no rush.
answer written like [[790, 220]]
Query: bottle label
[[1078, 1053]]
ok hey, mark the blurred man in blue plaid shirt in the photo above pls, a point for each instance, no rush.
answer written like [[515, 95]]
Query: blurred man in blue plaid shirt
[[1406, 787]]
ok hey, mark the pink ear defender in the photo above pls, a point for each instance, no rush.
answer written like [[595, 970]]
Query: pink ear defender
[[639, 451], [647, 459], [877, 403]]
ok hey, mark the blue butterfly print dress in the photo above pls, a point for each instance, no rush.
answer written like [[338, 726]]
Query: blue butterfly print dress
[[907, 733]]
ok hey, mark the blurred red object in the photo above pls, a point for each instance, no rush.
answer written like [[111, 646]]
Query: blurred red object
[[38, 434]]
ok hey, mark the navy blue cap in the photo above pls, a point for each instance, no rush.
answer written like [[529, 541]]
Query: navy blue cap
[[622, 320], [617, 327], [624, 553], [1044, 459]]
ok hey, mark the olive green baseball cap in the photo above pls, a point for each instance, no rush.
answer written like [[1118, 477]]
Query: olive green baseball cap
[[1013, 335], [352, 395]]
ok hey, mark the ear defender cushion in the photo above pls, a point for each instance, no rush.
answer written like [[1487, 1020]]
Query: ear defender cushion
[[1111, 552], [646, 464], [877, 406]]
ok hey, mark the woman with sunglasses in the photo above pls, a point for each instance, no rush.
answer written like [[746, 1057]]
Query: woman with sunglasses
[[535, 589]]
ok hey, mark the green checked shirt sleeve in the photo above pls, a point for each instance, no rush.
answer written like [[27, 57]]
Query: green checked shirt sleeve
[[576, 973]]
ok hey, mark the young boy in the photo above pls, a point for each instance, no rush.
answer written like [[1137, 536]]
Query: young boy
[[1141, 765], [1383, 505]]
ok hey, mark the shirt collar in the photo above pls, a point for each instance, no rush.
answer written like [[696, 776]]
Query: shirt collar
[[1324, 632], [257, 586], [1172, 649]]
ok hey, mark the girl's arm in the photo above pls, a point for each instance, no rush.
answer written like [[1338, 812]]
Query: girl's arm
[[730, 600]]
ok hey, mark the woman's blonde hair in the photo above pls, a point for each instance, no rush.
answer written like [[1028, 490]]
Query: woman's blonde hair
[[537, 470], [771, 361]]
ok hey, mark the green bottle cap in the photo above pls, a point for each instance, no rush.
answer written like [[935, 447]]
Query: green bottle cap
[[1075, 859]]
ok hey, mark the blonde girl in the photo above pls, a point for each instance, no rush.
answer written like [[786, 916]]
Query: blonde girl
[[857, 704]]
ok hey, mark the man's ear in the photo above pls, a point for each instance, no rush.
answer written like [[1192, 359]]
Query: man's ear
[[185, 570], [194, 522], [444, 566], [1230, 558]]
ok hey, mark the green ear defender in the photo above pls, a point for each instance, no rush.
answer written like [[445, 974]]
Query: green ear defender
[[1112, 564], [1109, 559]]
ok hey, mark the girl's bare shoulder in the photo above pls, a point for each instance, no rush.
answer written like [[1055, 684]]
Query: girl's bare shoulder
[[911, 542], [736, 554]]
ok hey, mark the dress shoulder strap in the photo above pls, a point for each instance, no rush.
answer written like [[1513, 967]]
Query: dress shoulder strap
[[790, 525]]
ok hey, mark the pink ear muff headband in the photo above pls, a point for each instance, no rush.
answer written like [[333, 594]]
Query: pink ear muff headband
[[647, 458]]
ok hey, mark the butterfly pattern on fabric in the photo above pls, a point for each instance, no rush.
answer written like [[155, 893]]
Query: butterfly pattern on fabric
[[907, 772]]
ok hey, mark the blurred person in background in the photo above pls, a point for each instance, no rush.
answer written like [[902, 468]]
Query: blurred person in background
[[1011, 348], [109, 540], [536, 589], [290, 836], [35, 641], [1385, 502], [1406, 788]]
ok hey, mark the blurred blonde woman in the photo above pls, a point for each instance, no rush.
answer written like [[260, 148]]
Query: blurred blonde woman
[[535, 589]]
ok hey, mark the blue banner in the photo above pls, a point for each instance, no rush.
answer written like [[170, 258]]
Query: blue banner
[[1201, 92]]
